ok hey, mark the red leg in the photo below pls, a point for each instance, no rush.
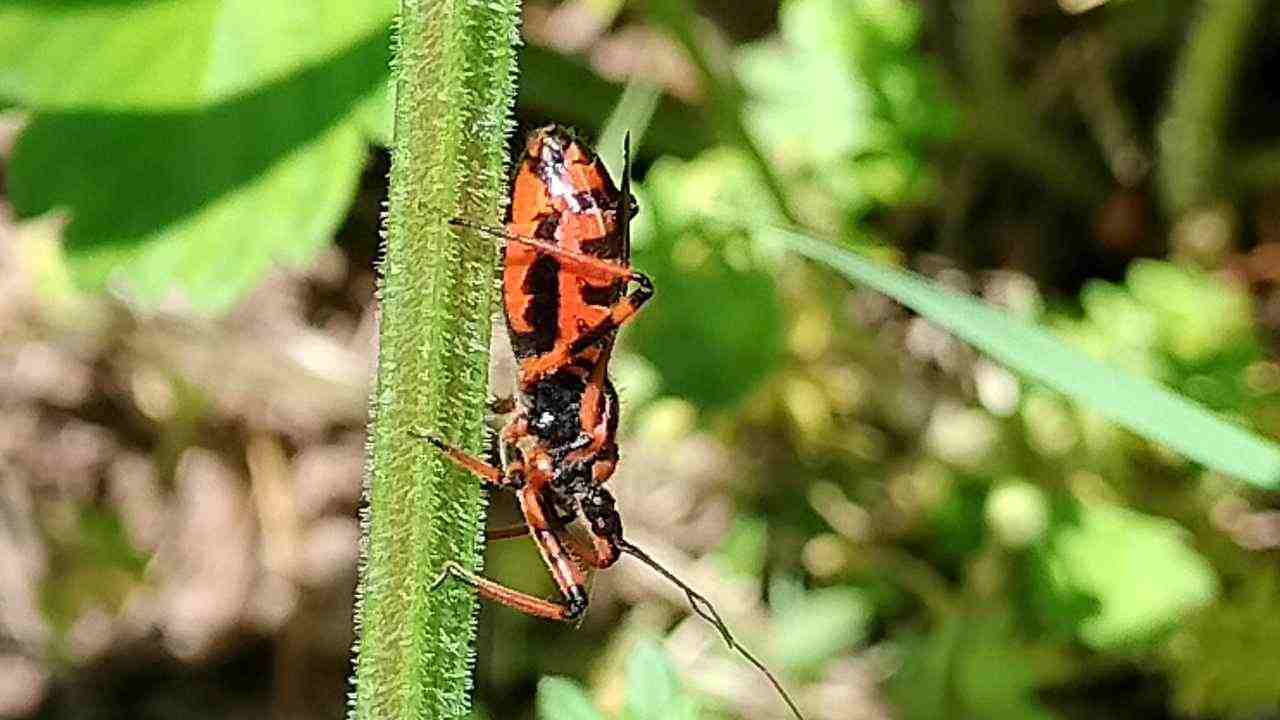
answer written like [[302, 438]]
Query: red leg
[[600, 554], [564, 570], [475, 466], [507, 533], [499, 593], [619, 314]]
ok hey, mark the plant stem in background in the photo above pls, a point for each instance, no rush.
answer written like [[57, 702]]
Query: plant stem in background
[[454, 84], [1000, 121], [725, 96], [1191, 132]]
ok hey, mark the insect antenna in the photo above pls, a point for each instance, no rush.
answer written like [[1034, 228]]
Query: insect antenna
[[626, 195], [703, 607]]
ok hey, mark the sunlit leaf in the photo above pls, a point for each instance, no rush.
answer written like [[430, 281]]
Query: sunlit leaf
[[199, 204], [90, 54], [706, 349], [1138, 567], [843, 102]]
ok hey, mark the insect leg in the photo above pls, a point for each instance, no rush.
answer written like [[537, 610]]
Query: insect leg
[[619, 313], [502, 405], [475, 466], [521, 530], [560, 562], [507, 533], [564, 569], [514, 599]]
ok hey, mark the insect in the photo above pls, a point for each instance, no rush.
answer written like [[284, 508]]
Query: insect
[[567, 288]]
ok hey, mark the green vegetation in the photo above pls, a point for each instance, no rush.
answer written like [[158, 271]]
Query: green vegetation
[[959, 394], [454, 84]]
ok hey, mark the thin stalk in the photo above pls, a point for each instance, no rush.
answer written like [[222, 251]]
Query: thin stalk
[[726, 98], [1000, 122], [454, 84], [1192, 132]]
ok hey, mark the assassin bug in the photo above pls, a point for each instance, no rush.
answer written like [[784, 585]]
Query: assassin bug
[[567, 287]]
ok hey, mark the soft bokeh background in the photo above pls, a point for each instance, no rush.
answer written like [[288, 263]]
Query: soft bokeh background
[[189, 206]]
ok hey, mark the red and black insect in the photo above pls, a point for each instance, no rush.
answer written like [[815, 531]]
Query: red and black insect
[[567, 287]]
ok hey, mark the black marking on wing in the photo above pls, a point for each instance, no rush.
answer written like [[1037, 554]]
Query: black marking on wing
[[542, 285], [599, 295]]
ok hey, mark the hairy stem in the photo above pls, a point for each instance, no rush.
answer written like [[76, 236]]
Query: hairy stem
[[454, 83]]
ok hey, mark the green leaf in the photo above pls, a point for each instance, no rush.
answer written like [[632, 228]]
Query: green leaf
[[744, 550], [844, 101], [375, 116], [632, 114], [92, 564], [86, 54], [201, 203], [709, 351], [1200, 315], [1136, 403], [561, 699], [1138, 567], [970, 668], [820, 625], [653, 687], [217, 255]]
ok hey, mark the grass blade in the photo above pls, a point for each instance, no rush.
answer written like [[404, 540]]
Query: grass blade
[[1136, 403]]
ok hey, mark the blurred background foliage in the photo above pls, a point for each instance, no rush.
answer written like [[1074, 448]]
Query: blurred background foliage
[[189, 208]]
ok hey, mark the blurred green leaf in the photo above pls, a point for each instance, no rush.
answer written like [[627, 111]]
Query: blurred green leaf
[[1178, 325], [375, 115], [1136, 403], [91, 564], [820, 625], [653, 687], [844, 101], [1138, 567], [1200, 315], [1224, 664], [87, 54], [1058, 610], [707, 350], [632, 114], [561, 699], [970, 668], [201, 203], [744, 550]]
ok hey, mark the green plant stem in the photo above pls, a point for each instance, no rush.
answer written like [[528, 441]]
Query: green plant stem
[[454, 82], [1192, 131]]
